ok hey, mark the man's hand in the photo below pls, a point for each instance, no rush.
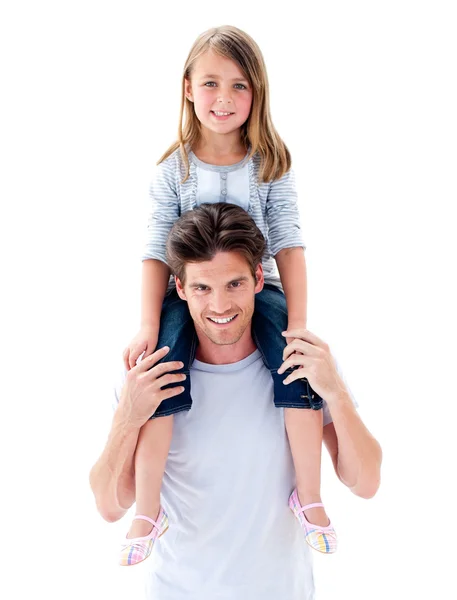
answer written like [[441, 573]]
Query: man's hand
[[142, 393], [314, 361]]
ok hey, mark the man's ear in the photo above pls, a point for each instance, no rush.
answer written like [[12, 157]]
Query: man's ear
[[259, 279], [188, 89], [180, 289]]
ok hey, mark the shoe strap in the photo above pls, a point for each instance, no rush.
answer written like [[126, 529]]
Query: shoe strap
[[145, 518], [316, 504]]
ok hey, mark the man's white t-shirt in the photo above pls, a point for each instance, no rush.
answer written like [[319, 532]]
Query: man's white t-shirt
[[228, 477]]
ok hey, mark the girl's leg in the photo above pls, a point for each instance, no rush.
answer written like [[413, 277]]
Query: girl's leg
[[178, 333], [302, 405], [150, 459], [304, 430]]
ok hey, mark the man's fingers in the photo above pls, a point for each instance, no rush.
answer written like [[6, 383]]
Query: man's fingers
[[170, 378], [151, 360], [300, 346], [163, 368], [307, 336], [297, 374], [170, 392], [294, 361]]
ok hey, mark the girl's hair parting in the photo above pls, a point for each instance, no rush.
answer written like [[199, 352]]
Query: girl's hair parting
[[258, 131]]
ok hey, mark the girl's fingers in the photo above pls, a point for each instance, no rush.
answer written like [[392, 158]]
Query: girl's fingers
[[147, 353], [125, 357], [132, 360]]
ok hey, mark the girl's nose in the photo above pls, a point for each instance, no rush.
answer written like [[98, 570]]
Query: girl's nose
[[225, 97]]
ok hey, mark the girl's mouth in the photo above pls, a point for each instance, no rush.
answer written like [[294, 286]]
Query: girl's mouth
[[221, 115]]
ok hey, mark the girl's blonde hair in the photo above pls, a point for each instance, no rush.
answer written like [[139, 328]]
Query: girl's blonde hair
[[258, 131]]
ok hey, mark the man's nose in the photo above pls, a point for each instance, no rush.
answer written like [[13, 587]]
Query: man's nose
[[220, 303]]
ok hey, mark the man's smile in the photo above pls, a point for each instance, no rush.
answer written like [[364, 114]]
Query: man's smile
[[220, 321]]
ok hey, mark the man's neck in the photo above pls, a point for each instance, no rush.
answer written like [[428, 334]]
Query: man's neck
[[215, 354]]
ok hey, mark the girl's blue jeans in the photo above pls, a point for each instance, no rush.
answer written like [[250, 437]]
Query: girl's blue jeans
[[269, 320]]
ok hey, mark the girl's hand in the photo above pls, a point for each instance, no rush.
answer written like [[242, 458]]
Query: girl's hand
[[144, 341]]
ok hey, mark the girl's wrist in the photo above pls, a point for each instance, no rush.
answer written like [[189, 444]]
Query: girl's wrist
[[149, 325], [296, 324]]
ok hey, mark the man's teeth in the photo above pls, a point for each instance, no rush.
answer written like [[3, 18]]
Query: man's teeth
[[222, 320], [221, 114]]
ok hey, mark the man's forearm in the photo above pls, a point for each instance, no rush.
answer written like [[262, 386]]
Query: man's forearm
[[112, 478], [359, 454]]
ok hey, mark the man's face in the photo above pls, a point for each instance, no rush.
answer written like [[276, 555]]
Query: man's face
[[220, 294]]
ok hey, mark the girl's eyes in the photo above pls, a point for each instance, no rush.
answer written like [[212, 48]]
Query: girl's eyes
[[213, 83]]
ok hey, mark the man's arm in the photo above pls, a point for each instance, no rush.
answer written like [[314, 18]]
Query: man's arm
[[112, 478], [355, 453]]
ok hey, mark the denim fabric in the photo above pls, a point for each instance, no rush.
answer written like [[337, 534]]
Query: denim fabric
[[269, 320], [177, 331]]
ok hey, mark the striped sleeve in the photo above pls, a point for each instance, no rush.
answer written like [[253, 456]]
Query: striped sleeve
[[283, 218], [164, 209]]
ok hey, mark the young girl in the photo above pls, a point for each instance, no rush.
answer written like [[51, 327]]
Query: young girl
[[227, 150]]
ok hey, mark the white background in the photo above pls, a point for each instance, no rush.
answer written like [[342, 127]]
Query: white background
[[364, 94]]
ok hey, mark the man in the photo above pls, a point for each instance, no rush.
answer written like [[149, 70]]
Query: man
[[229, 472]]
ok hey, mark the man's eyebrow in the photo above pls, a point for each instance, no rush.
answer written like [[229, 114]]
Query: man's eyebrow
[[197, 283]]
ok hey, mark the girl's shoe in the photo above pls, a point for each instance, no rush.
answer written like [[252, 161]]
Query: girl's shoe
[[135, 550], [322, 539]]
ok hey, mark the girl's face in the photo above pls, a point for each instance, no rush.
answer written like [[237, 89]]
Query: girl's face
[[220, 92]]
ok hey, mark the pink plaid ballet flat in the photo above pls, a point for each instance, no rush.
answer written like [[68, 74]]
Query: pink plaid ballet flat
[[135, 550], [322, 539]]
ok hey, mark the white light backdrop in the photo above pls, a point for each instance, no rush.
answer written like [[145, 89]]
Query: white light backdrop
[[364, 94]]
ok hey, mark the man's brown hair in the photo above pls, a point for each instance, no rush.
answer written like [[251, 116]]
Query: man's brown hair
[[199, 234]]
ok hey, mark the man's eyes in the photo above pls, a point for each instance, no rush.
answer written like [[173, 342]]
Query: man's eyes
[[205, 288]]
